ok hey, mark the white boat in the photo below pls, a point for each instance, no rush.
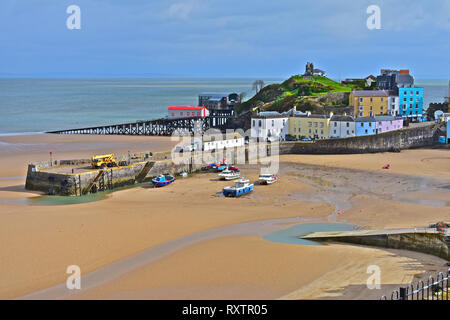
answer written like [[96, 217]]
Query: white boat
[[241, 187], [229, 174], [267, 178]]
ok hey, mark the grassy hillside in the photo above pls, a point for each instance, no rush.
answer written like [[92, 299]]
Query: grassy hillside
[[295, 91]]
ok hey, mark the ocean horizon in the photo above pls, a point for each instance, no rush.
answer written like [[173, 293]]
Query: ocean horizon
[[37, 105]]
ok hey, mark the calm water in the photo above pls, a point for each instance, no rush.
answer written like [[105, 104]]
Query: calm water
[[291, 235], [37, 105]]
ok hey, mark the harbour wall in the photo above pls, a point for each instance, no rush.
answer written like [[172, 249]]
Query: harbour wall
[[393, 141], [40, 178]]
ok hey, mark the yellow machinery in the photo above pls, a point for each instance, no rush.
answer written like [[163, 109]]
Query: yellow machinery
[[104, 161]]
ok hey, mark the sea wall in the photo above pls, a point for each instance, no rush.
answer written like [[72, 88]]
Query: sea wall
[[392, 141], [431, 243]]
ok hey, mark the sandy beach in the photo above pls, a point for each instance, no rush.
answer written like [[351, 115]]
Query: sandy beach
[[38, 242]]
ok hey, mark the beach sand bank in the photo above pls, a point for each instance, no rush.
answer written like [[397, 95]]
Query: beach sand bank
[[39, 242]]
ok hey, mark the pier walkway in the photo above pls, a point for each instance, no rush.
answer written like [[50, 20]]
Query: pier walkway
[[217, 119]]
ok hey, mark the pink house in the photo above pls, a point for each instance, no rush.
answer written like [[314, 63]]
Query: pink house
[[388, 123]]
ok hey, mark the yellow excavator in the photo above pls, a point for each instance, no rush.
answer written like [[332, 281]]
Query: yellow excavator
[[104, 161]]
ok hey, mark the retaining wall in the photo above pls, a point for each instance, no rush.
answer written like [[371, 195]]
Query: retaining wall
[[393, 141]]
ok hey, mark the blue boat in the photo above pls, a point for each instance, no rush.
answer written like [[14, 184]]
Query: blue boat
[[241, 187], [162, 180]]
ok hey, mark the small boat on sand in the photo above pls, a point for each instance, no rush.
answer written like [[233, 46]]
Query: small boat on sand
[[241, 187], [228, 174], [267, 178], [162, 180]]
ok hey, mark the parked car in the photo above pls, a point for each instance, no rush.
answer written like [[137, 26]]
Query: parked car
[[307, 139]]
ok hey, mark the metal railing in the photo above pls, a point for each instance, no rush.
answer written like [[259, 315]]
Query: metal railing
[[435, 289]]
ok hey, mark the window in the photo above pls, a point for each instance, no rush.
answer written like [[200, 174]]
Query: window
[[348, 132], [360, 114], [273, 123], [381, 108], [334, 131], [260, 123], [362, 124], [371, 99], [295, 129], [361, 99], [381, 99], [335, 124], [173, 114], [417, 93], [370, 124], [321, 124], [321, 131], [366, 131], [254, 123], [315, 124], [181, 113], [309, 124], [348, 124]]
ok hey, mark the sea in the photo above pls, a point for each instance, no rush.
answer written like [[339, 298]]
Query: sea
[[29, 106]]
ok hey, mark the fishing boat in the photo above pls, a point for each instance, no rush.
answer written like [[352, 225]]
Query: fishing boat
[[241, 187], [162, 180], [267, 178], [228, 174]]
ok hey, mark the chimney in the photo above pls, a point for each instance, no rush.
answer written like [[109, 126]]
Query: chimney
[[404, 71]]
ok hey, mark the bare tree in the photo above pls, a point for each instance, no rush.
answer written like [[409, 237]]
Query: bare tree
[[261, 84], [242, 96], [258, 85]]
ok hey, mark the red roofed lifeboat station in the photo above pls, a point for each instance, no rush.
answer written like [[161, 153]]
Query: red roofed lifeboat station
[[176, 112]]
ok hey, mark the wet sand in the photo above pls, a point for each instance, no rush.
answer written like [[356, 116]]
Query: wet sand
[[39, 242]]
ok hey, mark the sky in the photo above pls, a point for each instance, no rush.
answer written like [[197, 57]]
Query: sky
[[217, 38]]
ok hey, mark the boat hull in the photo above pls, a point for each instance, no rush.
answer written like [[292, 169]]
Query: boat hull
[[231, 192], [156, 183]]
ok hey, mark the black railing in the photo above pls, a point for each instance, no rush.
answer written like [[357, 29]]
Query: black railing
[[435, 289]]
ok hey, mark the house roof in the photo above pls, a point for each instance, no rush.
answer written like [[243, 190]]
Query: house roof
[[372, 93], [365, 119], [318, 70], [186, 108], [386, 118], [270, 116], [312, 116], [342, 118]]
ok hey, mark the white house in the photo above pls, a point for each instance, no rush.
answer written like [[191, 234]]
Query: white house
[[393, 105], [270, 125], [342, 126]]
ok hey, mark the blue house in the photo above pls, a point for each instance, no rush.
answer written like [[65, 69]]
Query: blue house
[[448, 131], [411, 103], [365, 126]]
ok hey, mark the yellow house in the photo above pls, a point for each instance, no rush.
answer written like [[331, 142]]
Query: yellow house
[[368, 103], [314, 126]]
